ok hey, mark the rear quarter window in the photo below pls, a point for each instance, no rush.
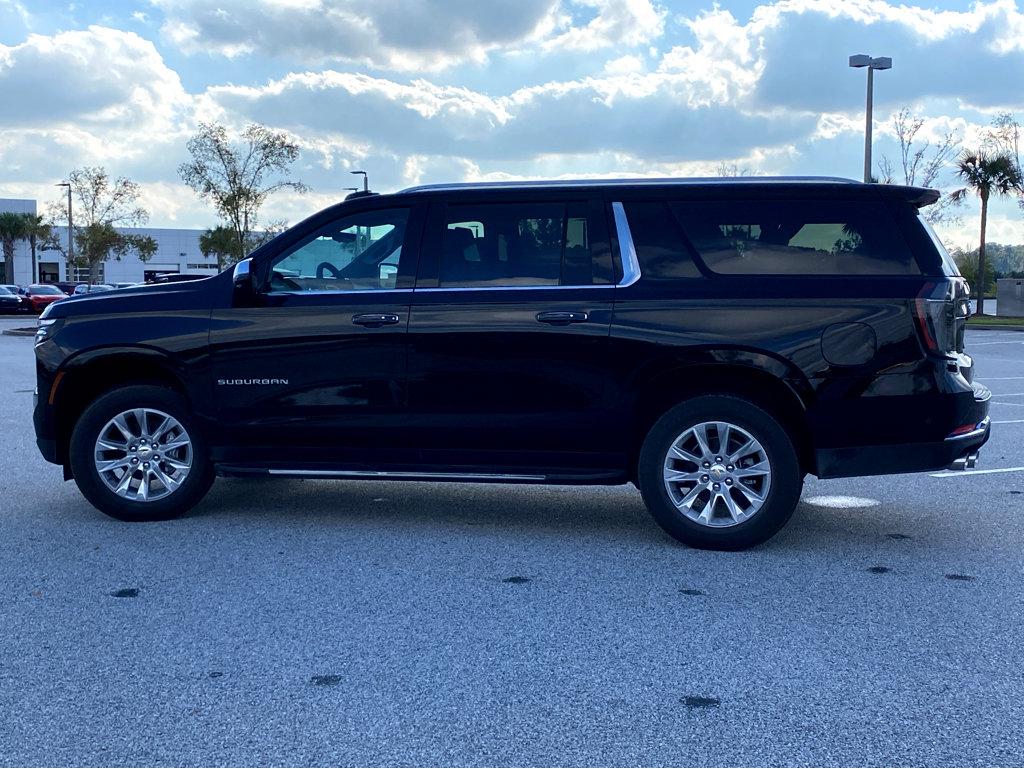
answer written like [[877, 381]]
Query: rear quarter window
[[795, 237], [659, 242]]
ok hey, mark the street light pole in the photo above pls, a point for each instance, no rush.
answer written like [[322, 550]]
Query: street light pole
[[71, 227], [882, 62]]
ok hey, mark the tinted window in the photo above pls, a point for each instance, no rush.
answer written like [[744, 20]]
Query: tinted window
[[659, 243], [4, 291], [799, 237], [357, 252], [516, 244]]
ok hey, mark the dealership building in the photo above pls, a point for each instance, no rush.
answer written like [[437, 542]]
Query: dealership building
[[176, 251]]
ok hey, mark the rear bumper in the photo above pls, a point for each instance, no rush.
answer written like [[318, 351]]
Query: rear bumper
[[890, 459]]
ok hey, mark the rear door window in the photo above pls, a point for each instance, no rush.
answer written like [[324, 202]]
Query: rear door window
[[504, 245], [796, 237]]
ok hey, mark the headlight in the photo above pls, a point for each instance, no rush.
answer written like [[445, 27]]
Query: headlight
[[43, 329]]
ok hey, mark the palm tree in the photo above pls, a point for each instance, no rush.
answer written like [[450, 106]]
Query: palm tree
[[13, 227], [985, 174], [37, 232], [221, 242]]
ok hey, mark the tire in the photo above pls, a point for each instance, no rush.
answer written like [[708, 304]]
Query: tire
[[677, 490], [186, 464]]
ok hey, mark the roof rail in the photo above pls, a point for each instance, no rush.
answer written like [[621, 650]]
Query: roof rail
[[640, 182]]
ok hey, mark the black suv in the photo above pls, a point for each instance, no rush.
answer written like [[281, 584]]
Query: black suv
[[711, 341]]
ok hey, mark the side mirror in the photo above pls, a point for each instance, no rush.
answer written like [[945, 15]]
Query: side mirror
[[242, 275]]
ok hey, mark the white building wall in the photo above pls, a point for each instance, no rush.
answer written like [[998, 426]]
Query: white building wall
[[22, 253], [177, 251]]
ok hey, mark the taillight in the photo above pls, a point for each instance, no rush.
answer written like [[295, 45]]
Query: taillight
[[941, 311]]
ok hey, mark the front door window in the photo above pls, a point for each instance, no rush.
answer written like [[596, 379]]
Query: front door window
[[359, 252]]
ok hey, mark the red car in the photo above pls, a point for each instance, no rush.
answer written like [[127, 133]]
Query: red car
[[38, 296]]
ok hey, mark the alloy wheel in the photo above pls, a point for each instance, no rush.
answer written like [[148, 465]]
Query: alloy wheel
[[143, 454], [717, 474]]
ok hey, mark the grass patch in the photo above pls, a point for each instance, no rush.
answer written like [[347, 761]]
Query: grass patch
[[994, 320]]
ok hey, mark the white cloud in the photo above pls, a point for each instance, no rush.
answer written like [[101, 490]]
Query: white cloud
[[655, 115], [407, 35], [97, 77], [627, 23]]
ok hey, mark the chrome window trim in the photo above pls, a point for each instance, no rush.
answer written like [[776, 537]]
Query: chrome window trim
[[336, 292], [630, 272], [511, 288], [630, 263]]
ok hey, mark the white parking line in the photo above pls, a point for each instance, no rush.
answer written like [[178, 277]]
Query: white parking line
[[1007, 395], [954, 473], [1008, 422], [1002, 403], [993, 378], [983, 344]]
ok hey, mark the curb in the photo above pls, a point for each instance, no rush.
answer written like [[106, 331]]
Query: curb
[[993, 327], [19, 332]]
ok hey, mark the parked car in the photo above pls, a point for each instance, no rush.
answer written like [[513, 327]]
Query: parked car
[[95, 288], [124, 285], [65, 287], [9, 301], [711, 341], [39, 296]]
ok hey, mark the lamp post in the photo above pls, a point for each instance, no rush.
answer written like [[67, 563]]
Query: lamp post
[[366, 179], [71, 241], [881, 62]]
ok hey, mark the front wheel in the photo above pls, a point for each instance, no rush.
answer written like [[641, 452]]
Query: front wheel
[[138, 455], [719, 473]]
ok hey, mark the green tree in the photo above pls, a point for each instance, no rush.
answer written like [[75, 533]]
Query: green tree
[[13, 227], [104, 206], [38, 233], [967, 263], [239, 176], [986, 175], [222, 243]]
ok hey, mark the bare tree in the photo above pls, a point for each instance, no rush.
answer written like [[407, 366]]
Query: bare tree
[[921, 163], [104, 205], [238, 177], [733, 169], [1003, 138]]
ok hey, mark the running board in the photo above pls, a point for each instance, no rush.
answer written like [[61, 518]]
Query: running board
[[405, 475], [561, 476]]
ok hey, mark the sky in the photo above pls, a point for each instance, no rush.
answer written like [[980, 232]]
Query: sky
[[421, 91]]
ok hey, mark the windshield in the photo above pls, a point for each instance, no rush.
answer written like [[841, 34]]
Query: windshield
[[44, 290], [3, 291]]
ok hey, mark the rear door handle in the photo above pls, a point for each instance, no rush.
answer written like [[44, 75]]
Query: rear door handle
[[375, 319], [562, 317]]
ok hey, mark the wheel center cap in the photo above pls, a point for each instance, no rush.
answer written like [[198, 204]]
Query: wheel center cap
[[718, 472], [145, 451]]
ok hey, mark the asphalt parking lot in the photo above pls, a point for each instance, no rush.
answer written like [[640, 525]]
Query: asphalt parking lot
[[308, 622]]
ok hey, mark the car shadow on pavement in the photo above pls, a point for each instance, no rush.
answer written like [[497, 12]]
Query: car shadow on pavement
[[616, 512]]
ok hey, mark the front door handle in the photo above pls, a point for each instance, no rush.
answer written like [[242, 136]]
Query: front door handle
[[562, 317], [375, 319]]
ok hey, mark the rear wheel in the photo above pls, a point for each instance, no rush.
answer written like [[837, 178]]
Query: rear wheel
[[137, 454], [720, 473]]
